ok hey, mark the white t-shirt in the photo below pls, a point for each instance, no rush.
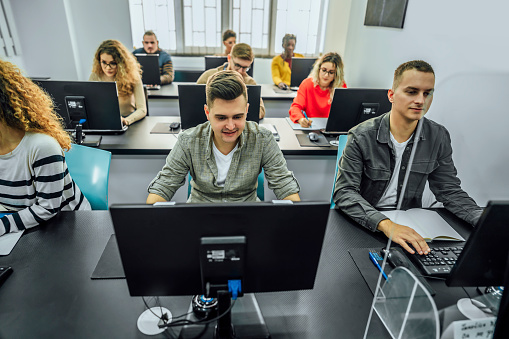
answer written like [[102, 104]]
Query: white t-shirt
[[223, 163], [390, 195]]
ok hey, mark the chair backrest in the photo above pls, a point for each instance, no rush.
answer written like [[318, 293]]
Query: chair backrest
[[341, 146], [145, 91], [260, 190], [90, 168]]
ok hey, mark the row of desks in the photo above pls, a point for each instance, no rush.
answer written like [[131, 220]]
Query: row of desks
[[50, 293]]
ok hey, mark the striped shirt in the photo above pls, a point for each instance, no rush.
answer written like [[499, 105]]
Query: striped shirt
[[35, 184]]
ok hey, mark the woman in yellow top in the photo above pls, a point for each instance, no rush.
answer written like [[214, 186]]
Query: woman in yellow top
[[282, 64], [113, 62]]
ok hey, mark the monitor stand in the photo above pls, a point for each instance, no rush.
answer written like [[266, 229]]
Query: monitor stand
[[246, 317]]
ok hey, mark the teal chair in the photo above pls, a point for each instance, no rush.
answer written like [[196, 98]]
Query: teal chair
[[90, 169], [260, 190], [341, 146]]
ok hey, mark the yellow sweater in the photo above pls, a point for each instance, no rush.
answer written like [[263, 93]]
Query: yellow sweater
[[281, 71]]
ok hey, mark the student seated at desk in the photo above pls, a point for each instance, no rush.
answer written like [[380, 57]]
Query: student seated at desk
[[229, 40], [113, 62], [226, 154], [34, 181], [239, 60], [151, 46], [315, 93], [282, 64], [374, 161]]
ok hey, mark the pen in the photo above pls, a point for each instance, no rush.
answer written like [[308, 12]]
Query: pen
[[306, 116], [372, 257]]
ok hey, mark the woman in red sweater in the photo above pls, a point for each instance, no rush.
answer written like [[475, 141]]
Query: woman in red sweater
[[315, 93]]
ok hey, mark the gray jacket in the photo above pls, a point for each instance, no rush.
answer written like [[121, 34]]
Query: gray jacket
[[368, 161], [193, 154]]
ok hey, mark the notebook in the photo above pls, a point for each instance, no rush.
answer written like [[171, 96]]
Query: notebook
[[318, 124], [429, 224]]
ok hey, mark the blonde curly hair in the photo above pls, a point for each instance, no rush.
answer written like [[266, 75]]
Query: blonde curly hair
[[25, 106], [128, 68], [339, 77]]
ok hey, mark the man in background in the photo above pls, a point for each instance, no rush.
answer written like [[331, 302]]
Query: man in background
[[151, 46]]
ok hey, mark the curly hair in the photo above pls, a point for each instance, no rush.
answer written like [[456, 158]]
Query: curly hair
[[25, 106], [339, 77], [128, 69]]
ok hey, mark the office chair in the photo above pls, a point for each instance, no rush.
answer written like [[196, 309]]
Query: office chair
[[90, 168], [341, 146], [260, 190]]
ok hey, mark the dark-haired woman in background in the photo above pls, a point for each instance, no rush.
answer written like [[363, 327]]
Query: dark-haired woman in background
[[229, 40], [113, 62], [315, 92], [34, 181]]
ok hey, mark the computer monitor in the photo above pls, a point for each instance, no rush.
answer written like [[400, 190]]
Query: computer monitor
[[150, 67], [301, 67], [502, 324], [187, 249], [483, 261], [212, 61], [95, 101], [192, 98], [351, 106]]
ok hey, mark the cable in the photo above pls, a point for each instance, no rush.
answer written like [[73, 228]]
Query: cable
[[199, 322]]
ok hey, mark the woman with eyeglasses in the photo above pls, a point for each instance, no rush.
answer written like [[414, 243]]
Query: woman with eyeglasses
[[35, 184], [113, 62], [229, 40], [281, 65], [315, 93]]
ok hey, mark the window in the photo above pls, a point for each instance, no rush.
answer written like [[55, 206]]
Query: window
[[9, 44], [196, 26]]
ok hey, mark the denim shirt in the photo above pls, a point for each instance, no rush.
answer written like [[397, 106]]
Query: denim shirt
[[193, 154], [367, 164]]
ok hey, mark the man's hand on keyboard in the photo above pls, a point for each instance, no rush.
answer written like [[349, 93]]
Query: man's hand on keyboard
[[403, 235]]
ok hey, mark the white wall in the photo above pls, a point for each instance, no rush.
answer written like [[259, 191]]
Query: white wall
[[458, 38]]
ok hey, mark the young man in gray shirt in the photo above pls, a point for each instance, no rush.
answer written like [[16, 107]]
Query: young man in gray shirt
[[374, 161], [225, 154]]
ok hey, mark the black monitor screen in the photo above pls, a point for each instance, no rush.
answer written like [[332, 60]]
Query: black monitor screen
[[212, 61], [351, 106], [483, 261], [95, 101], [150, 65], [301, 67], [160, 246], [192, 98]]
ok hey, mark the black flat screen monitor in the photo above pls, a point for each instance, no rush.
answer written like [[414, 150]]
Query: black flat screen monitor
[[160, 246], [150, 67], [351, 106], [301, 67], [192, 98], [95, 101], [212, 61], [483, 261]]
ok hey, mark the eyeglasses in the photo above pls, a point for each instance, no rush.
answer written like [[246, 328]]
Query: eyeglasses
[[238, 67], [324, 71], [111, 65]]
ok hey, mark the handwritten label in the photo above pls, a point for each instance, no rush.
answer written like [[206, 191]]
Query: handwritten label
[[474, 329]]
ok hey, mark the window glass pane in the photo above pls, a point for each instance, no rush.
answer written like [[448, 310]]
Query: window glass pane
[[198, 17], [245, 17], [256, 41], [210, 22], [188, 24]]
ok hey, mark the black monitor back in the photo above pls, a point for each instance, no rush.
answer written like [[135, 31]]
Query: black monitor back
[[160, 246], [351, 106], [212, 61], [192, 98], [150, 67], [483, 261], [301, 67], [101, 104]]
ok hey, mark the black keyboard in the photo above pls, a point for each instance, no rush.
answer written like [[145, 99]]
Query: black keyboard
[[439, 262]]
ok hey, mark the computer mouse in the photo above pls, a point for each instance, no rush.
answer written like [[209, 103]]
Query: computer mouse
[[396, 258], [174, 125], [313, 136]]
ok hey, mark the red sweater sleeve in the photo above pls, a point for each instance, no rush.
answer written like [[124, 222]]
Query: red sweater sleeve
[[298, 104]]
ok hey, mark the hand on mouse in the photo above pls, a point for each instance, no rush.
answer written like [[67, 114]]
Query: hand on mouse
[[403, 235], [282, 85], [305, 122]]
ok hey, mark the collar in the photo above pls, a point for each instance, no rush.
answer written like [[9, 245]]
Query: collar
[[384, 130], [242, 138]]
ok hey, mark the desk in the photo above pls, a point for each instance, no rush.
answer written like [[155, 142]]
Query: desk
[[165, 100], [50, 293], [138, 156]]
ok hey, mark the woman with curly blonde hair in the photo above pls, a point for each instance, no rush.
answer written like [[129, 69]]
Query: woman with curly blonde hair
[[34, 179], [316, 92], [113, 62]]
